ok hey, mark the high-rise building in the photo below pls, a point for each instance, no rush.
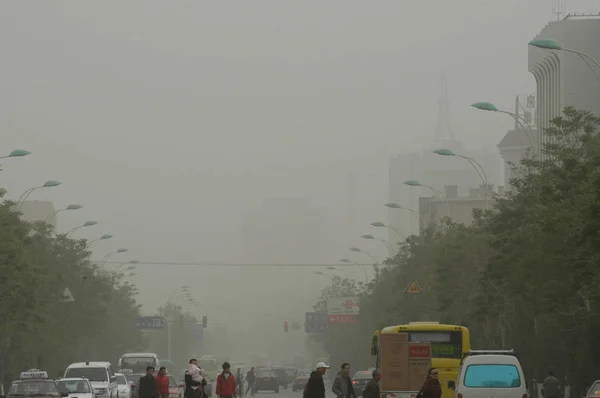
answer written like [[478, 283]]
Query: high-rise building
[[563, 78]]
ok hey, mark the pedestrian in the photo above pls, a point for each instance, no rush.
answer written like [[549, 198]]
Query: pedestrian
[[372, 388], [147, 385], [342, 385], [193, 388], [315, 388], [162, 382], [551, 386], [431, 386], [226, 386], [251, 379]]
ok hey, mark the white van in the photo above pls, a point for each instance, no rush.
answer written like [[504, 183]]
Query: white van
[[100, 374], [486, 374]]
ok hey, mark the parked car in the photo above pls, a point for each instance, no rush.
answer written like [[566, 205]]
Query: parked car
[[266, 379], [282, 376], [301, 379], [359, 381]]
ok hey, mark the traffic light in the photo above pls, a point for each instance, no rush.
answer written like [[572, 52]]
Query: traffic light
[[285, 326], [204, 322]]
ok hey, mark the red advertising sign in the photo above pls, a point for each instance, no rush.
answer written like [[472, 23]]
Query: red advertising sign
[[416, 350], [342, 318]]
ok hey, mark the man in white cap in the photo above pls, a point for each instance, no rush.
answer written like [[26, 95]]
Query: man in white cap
[[315, 388]]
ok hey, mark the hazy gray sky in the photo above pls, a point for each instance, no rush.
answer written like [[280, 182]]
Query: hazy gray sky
[[167, 119]]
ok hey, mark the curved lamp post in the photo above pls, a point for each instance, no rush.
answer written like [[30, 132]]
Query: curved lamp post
[[121, 250], [347, 261], [397, 206], [17, 153], [379, 224], [488, 106], [371, 237], [103, 237], [69, 207], [474, 164], [85, 224], [25, 195], [551, 44], [436, 193], [130, 266], [372, 257]]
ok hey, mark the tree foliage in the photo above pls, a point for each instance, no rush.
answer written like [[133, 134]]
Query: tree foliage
[[524, 275], [37, 327]]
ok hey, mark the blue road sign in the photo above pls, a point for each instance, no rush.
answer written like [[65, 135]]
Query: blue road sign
[[316, 322], [150, 322]]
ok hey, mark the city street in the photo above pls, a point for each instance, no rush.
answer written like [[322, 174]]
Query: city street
[[290, 394]]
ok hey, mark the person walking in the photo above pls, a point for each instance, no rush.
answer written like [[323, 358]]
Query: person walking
[[372, 388], [551, 386], [147, 385], [193, 388], [162, 383], [315, 388], [226, 386], [431, 386], [342, 385], [251, 379]]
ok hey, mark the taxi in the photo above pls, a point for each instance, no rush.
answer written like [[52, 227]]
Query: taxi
[[34, 383]]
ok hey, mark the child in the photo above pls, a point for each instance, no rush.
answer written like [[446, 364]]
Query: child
[[196, 373]]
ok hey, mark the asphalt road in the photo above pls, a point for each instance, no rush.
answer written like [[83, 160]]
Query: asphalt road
[[283, 393]]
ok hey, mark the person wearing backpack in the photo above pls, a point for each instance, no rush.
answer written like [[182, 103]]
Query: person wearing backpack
[[315, 388]]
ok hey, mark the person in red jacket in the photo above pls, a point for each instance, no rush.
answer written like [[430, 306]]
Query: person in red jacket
[[162, 383], [226, 387]]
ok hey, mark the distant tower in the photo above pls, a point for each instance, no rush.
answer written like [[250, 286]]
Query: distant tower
[[444, 135]]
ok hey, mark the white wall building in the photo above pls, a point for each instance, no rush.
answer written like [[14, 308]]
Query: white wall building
[[563, 78]]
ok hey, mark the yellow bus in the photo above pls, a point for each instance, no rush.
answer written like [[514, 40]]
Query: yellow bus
[[448, 345]]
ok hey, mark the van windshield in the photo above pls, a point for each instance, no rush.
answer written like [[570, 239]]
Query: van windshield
[[492, 376], [92, 374]]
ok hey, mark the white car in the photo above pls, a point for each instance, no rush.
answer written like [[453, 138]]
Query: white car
[[485, 374], [124, 386], [100, 374], [76, 387]]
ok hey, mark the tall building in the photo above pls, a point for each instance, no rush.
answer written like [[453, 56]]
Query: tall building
[[563, 78]]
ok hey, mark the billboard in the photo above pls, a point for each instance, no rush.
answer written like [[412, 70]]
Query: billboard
[[342, 309]]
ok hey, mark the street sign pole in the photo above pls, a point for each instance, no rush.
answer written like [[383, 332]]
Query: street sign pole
[[169, 339]]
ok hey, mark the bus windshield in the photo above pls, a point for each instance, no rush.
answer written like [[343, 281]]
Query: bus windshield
[[137, 364], [444, 344]]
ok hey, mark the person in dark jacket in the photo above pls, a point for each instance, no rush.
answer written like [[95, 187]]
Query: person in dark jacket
[[342, 385], [147, 385], [432, 387], [193, 388], [372, 388], [315, 388], [251, 379]]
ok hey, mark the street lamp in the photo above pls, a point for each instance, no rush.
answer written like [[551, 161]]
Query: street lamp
[[397, 206], [121, 250], [371, 237], [372, 257], [103, 237], [473, 162], [69, 207], [17, 153], [85, 224], [436, 193], [129, 268], [488, 106], [551, 44], [347, 261], [379, 224], [25, 195]]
